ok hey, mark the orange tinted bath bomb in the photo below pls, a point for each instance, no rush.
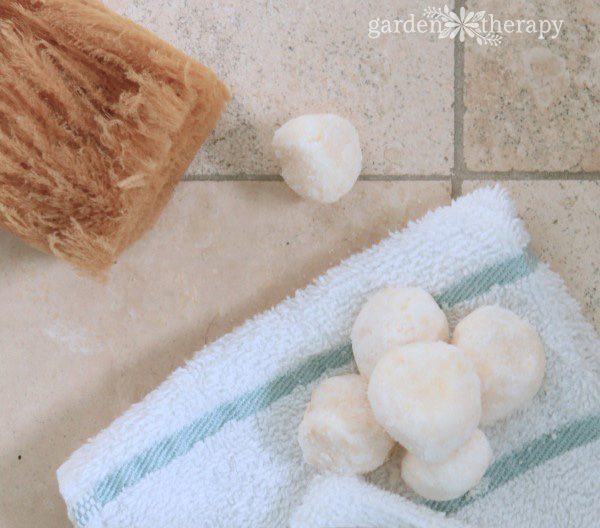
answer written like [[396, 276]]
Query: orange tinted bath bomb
[[508, 355], [393, 317], [454, 476], [339, 432], [427, 397], [320, 156]]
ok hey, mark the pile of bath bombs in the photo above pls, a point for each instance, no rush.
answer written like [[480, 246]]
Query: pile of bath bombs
[[320, 156], [419, 390]]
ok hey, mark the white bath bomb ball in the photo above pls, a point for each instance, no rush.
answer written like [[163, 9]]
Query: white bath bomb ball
[[339, 432], [427, 397], [453, 477], [508, 355], [320, 156], [393, 317]]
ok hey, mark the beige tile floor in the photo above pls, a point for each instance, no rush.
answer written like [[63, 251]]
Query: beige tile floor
[[532, 105], [454, 116], [281, 59]]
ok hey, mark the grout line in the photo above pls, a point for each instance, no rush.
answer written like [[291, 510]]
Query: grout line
[[232, 177], [459, 112], [465, 175], [405, 177], [277, 177], [460, 172], [530, 175]]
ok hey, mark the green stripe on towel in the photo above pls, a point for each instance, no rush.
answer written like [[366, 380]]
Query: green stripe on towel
[[160, 454], [182, 441], [498, 274], [531, 455]]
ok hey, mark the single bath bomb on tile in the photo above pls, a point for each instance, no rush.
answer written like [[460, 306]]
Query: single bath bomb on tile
[[393, 317], [339, 432], [320, 156], [508, 355], [427, 397], [454, 476]]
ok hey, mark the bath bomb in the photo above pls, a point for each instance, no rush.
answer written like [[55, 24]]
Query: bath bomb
[[339, 432], [508, 355], [393, 317], [320, 156], [453, 477], [427, 397]]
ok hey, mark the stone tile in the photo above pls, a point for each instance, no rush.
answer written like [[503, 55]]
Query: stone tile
[[76, 354], [563, 219], [533, 104], [282, 59]]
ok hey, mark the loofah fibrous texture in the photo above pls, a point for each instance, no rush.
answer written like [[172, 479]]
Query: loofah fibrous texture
[[98, 121]]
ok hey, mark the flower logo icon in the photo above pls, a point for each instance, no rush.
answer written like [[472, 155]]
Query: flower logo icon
[[467, 22], [462, 25]]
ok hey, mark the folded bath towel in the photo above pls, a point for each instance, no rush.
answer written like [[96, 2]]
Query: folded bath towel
[[215, 445]]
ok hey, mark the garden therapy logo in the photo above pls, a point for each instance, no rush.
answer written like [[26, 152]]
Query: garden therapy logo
[[485, 29], [468, 22]]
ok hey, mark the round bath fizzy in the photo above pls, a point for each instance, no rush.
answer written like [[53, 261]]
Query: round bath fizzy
[[320, 156], [427, 397], [393, 317], [453, 477], [339, 432], [508, 355]]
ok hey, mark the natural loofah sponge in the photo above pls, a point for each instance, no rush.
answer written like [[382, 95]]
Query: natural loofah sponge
[[98, 120]]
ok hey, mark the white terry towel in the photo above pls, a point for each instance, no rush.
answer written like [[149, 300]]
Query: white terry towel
[[215, 445]]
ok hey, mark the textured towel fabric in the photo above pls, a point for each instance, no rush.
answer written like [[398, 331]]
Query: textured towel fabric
[[215, 445]]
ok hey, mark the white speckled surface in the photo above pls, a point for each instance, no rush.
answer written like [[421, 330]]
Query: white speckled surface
[[282, 59], [533, 104]]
